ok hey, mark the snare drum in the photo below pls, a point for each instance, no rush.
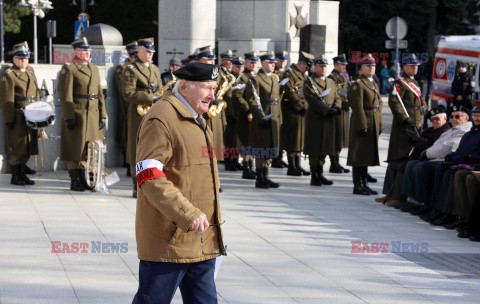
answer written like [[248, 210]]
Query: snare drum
[[39, 114]]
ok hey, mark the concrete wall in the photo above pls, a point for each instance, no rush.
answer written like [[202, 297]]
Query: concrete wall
[[49, 73]]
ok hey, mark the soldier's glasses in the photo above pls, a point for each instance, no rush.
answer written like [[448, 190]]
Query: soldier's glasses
[[434, 119], [457, 116], [213, 253]]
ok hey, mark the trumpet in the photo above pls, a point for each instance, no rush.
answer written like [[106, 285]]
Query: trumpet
[[143, 108], [214, 110]]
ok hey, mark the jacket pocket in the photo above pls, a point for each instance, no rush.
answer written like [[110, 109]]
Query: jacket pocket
[[175, 236]]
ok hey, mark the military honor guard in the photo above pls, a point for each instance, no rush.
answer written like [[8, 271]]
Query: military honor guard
[[342, 121], [245, 116], [83, 112], [121, 132], [18, 88], [324, 105], [140, 82], [366, 125], [173, 65], [263, 97], [294, 110]]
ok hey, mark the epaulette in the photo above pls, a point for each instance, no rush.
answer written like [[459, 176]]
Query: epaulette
[[8, 71], [278, 78]]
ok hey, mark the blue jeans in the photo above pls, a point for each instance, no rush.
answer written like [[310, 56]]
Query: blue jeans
[[158, 282]]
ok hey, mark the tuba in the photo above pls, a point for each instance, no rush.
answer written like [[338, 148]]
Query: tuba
[[214, 110], [95, 170], [143, 108]]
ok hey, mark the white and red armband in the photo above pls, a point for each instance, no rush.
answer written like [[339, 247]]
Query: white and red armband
[[148, 169]]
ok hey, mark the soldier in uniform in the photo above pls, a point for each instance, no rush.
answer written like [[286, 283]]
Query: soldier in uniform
[[121, 134], [244, 114], [294, 109], [263, 96], [18, 88], [366, 125], [174, 65], [324, 104], [141, 80], [83, 112], [341, 121], [462, 87], [280, 70]]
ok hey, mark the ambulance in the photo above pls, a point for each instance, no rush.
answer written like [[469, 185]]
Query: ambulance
[[450, 51]]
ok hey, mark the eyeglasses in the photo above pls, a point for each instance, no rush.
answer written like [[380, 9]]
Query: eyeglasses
[[457, 116], [213, 253], [434, 119]]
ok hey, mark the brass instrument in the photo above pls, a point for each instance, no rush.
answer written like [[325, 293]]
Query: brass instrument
[[142, 109], [98, 178], [214, 110]]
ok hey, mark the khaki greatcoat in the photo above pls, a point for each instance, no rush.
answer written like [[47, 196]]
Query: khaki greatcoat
[[363, 95], [342, 121], [15, 84], [121, 131], [167, 206], [77, 79], [239, 102], [399, 145], [139, 84], [320, 129]]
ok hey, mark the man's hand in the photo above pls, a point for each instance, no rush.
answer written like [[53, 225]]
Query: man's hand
[[409, 122], [199, 225], [70, 123], [333, 111], [101, 124], [363, 132], [413, 133]]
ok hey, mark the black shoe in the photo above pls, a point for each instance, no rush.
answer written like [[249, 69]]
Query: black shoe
[[28, 170], [83, 180], [360, 190], [276, 163], [16, 176], [406, 206], [250, 166], [237, 164], [371, 179], [292, 169], [365, 175], [75, 183], [247, 173], [299, 166], [271, 184], [24, 176], [340, 166], [129, 174], [434, 214], [229, 166], [442, 220], [314, 180], [261, 182], [334, 166], [322, 178], [457, 222], [357, 182], [463, 234], [134, 181], [475, 238], [280, 159], [421, 211]]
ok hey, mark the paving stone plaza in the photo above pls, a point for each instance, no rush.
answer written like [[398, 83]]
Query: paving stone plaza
[[290, 245]]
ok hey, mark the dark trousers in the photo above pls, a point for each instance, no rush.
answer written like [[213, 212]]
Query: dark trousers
[[438, 170], [393, 179], [158, 282], [444, 198]]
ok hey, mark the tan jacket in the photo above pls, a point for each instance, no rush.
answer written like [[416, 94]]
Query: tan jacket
[[167, 206]]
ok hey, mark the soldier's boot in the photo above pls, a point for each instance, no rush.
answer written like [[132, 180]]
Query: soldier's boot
[[299, 166], [271, 184], [365, 181], [276, 163], [250, 166], [247, 173], [24, 176], [261, 182], [134, 180], [322, 178], [334, 165], [357, 181], [28, 170], [371, 179], [129, 174], [236, 163], [292, 169], [280, 158], [345, 170], [229, 166], [16, 177], [75, 183], [83, 179], [314, 180]]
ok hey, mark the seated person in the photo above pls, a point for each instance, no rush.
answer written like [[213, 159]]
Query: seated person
[[469, 198], [421, 142]]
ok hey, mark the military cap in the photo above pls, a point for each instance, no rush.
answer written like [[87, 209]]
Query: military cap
[[282, 56], [252, 56], [411, 59], [321, 60], [192, 57], [132, 49], [270, 57], [206, 52], [21, 50], [185, 61], [147, 43], [368, 60], [198, 71], [238, 61], [436, 111], [342, 59], [459, 108], [462, 64], [307, 58], [476, 109], [228, 55], [175, 60], [81, 44]]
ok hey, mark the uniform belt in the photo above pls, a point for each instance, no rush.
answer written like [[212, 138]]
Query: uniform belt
[[374, 109], [29, 99], [90, 96], [413, 107], [273, 101]]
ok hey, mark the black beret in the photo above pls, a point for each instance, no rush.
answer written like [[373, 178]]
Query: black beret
[[459, 108], [436, 111], [197, 71]]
